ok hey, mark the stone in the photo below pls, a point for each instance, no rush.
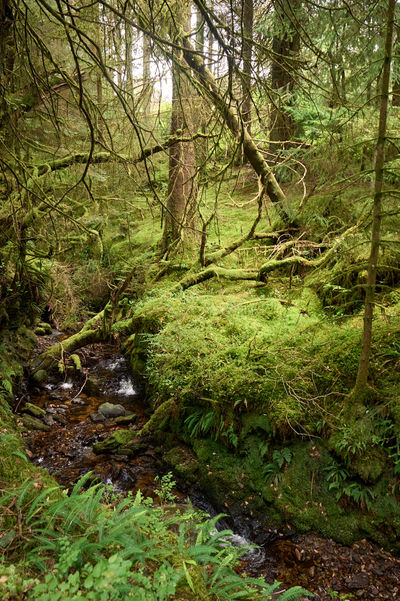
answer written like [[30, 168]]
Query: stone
[[358, 581], [33, 410], [40, 377], [97, 417], [60, 419], [49, 420], [126, 419], [32, 423], [44, 327], [110, 410], [118, 439], [78, 401]]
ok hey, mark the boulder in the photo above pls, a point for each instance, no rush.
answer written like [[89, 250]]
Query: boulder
[[110, 410], [97, 417]]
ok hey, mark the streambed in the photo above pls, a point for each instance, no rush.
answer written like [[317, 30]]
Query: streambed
[[363, 571]]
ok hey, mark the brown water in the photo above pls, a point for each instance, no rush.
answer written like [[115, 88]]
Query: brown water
[[66, 450]]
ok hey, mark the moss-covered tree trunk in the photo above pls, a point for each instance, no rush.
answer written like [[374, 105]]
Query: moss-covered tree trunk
[[355, 400]]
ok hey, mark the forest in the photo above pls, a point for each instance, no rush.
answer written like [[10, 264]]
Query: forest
[[199, 300]]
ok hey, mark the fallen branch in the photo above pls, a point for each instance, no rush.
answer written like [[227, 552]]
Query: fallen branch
[[106, 157], [214, 272]]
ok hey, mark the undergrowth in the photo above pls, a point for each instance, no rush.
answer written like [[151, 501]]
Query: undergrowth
[[84, 547]]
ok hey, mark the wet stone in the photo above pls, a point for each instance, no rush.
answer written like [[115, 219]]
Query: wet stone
[[78, 401], [97, 417], [49, 420], [60, 419], [110, 410]]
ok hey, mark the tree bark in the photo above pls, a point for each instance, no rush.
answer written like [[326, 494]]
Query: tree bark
[[355, 400], [285, 49], [180, 215], [247, 51]]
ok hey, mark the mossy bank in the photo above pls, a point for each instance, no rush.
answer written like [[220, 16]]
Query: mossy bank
[[251, 381]]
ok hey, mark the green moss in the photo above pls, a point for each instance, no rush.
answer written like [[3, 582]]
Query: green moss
[[370, 465], [120, 438], [34, 410], [183, 463], [76, 361], [31, 423]]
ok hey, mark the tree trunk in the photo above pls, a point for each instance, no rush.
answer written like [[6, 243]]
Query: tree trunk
[[180, 213], [355, 400], [147, 90], [248, 14], [250, 149], [285, 49]]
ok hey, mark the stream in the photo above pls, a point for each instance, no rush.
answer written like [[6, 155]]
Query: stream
[[363, 571]]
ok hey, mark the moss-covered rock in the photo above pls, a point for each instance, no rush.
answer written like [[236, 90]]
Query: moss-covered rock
[[111, 410], [129, 418], [43, 329], [370, 465], [31, 423], [120, 438], [40, 377], [183, 462], [34, 410]]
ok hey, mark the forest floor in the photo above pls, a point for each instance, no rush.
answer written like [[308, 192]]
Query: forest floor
[[333, 571]]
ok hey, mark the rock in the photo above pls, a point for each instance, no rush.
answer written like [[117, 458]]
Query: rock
[[45, 329], [31, 423], [60, 419], [110, 410], [97, 417], [49, 420], [33, 410], [135, 447], [78, 401], [126, 419], [358, 581], [40, 377], [120, 438]]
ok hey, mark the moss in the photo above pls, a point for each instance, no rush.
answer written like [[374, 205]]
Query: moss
[[40, 377], [120, 438], [160, 418], [31, 423], [183, 463], [370, 465], [251, 422], [34, 410], [43, 329], [76, 361]]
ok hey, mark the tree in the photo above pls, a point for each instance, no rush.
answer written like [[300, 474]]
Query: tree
[[355, 401], [285, 51], [180, 209]]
